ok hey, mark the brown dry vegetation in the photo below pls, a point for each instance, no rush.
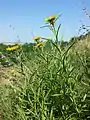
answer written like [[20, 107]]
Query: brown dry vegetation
[[8, 75]]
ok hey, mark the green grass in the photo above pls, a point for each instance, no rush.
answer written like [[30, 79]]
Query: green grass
[[54, 84]]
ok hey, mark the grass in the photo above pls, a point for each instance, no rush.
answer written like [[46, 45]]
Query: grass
[[53, 83]]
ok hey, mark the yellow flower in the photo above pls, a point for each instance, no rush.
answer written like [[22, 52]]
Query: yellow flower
[[37, 38], [51, 19], [12, 48], [8, 49], [39, 45], [12, 71]]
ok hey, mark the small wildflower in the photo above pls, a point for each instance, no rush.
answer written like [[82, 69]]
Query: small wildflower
[[12, 48], [51, 19], [37, 38], [12, 71], [39, 45]]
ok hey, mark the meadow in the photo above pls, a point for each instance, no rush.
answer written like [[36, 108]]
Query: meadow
[[47, 80]]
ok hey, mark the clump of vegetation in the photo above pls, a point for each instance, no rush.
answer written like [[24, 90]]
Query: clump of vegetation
[[54, 82]]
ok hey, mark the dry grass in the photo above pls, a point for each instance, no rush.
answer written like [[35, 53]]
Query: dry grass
[[83, 45], [8, 75]]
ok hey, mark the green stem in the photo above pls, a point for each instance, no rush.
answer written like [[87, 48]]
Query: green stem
[[55, 33]]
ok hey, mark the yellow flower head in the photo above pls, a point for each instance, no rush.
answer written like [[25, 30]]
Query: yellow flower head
[[12, 48], [51, 19], [39, 45], [37, 38], [12, 71]]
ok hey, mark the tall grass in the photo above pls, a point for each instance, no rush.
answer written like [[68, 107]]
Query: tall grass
[[53, 85]]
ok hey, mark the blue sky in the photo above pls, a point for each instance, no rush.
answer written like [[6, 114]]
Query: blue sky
[[27, 16]]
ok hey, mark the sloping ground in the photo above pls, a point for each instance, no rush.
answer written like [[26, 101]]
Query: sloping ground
[[83, 45], [8, 74], [4, 72]]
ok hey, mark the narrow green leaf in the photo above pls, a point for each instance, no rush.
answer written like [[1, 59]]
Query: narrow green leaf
[[56, 95], [51, 114], [84, 97], [57, 32]]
